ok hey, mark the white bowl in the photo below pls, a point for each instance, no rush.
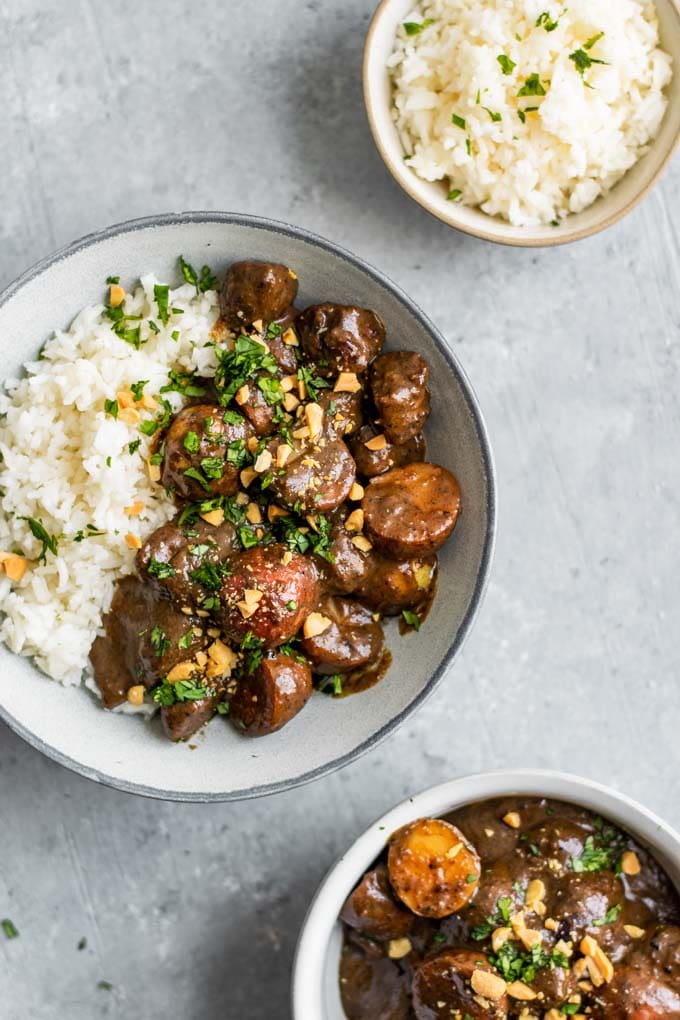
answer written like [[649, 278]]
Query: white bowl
[[67, 724], [315, 990], [606, 211]]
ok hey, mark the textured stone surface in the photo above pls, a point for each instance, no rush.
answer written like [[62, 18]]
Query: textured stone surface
[[114, 110]]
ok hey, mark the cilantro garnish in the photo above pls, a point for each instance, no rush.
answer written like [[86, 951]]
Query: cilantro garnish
[[416, 27], [532, 87], [203, 281], [50, 543], [159, 569], [507, 65]]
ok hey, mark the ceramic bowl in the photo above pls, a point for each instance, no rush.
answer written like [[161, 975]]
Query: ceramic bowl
[[123, 751], [315, 990], [606, 211]]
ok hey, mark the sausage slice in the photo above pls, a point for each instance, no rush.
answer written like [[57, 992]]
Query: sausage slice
[[372, 909], [444, 987], [185, 718], [399, 387], [271, 696], [352, 639], [411, 511]]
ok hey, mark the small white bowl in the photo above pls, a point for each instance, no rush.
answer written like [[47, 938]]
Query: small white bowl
[[315, 991], [606, 211]]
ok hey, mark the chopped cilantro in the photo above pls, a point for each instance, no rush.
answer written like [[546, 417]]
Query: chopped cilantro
[[454, 195], [111, 407], [10, 929], [212, 467], [313, 383], [159, 641], [204, 281], [507, 65], [184, 383], [182, 690], [50, 543], [610, 916], [159, 569], [416, 27], [138, 388], [191, 442], [112, 279], [236, 366], [186, 639], [411, 618], [192, 472], [545, 21], [495, 117], [515, 964], [532, 87], [161, 293], [582, 61], [458, 121], [331, 685]]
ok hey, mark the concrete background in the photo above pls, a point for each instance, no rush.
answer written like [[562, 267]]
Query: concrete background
[[114, 110]]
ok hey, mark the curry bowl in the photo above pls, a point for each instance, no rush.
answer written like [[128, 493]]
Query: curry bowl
[[67, 723], [315, 984]]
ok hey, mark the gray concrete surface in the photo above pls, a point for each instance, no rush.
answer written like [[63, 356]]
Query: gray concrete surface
[[113, 110]]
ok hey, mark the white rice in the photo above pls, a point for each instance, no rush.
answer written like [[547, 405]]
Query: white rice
[[578, 143], [66, 463]]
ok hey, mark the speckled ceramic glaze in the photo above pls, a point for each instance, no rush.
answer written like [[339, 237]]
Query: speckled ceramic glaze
[[66, 723], [315, 989]]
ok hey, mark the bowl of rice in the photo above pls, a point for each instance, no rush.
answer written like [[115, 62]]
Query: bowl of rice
[[526, 122], [77, 496]]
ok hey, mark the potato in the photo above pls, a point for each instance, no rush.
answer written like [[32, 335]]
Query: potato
[[432, 868]]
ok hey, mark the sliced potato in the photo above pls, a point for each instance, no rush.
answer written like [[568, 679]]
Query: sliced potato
[[432, 867]]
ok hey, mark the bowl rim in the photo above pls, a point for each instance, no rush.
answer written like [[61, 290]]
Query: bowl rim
[[406, 180], [309, 963], [482, 581]]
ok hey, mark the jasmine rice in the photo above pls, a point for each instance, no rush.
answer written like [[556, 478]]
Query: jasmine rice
[[528, 109], [76, 475]]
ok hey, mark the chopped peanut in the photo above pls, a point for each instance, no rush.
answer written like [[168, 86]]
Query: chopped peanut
[[201, 657], [518, 990], [314, 416], [423, 576], [246, 609], [377, 443], [488, 985], [590, 948], [292, 274], [287, 557], [315, 624], [283, 453], [290, 338], [301, 388], [356, 492], [355, 521], [134, 510], [133, 541], [148, 402], [535, 896], [302, 433], [243, 395], [290, 402], [214, 517], [630, 863], [347, 382], [499, 937], [529, 937], [253, 513], [135, 695], [246, 476], [222, 659], [263, 462], [258, 325], [362, 543], [399, 948], [253, 444], [182, 671], [116, 295], [129, 415], [241, 499], [252, 596], [13, 565], [125, 398], [512, 819], [154, 472], [288, 382], [633, 931], [274, 511]]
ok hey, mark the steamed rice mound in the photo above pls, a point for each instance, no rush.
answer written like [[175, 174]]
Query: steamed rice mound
[[74, 467], [598, 63]]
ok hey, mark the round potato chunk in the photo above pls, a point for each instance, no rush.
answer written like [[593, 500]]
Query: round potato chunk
[[371, 463], [269, 594], [185, 718], [411, 511], [271, 695], [203, 452], [185, 561], [432, 868], [444, 987], [257, 290], [372, 909], [399, 386], [340, 338], [351, 640]]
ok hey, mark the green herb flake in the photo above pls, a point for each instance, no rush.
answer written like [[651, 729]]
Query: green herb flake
[[191, 442], [611, 916], [161, 293], [416, 27], [186, 639], [495, 117], [532, 87], [50, 543], [507, 65], [212, 467], [159, 641], [203, 281], [105, 986], [331, 685], [159, 569], [111, 407], [454, 195], [458, 121], [594, 39], [9, 928], [138, 388], [411, 618], [545, 21], [192, 472], [582, 61], [82, 944], [112, 279]]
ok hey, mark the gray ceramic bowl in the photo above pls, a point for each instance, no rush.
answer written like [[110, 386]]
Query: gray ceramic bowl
[[123, 751]]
